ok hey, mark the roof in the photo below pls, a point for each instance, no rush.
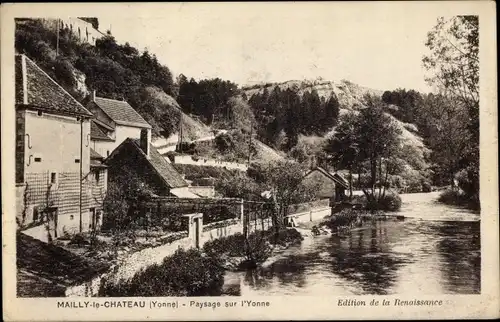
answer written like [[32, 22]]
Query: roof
[[54, 264], [104, 125], [335, 176], [183, 193], [121, 112], [95, 155], [35, 89], [165, 170], [96, 132], [96, 160]]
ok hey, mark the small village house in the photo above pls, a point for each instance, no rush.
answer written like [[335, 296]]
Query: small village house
[[60, 183], [81, 28], [139, 158], [114, 121], [331, 185]]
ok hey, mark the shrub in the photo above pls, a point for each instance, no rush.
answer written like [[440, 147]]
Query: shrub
[[229, 245], [344, 218], [426, 187], [79, 240], [186, 273], [287, 237], [389, 202], [255, 250]]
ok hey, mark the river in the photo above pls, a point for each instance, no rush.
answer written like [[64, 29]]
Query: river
[[435, 250]]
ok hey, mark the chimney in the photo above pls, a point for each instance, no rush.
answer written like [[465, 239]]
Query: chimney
[[92, 96], [144, 142]]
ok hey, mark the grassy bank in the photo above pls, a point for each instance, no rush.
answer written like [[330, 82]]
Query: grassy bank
[[239, 253], [196, 272], [458, 198]]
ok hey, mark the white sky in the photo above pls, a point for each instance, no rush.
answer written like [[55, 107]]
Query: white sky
[[248, 43]]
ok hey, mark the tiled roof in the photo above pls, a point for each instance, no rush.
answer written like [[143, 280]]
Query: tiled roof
[[95, 155], [335, 177], [41, 91], [55, 263], [121, 112], [97, 134], [163, 168]]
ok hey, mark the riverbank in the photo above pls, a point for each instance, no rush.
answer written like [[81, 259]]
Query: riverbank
[[240, 253], [436, 249]]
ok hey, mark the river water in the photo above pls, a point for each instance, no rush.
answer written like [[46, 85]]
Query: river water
[[436, 250]]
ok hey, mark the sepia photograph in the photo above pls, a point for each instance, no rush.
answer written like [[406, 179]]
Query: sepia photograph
[[273, 152]]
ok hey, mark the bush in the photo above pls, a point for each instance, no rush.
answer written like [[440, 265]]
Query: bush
[[389, 202], [286, 237], [186, 273], [426, 187], [79, 240], [344, 218], [458, 198], [231, 246], [256, 251]]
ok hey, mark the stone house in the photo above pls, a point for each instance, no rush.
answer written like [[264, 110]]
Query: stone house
[[59, 189], [114, 121], [331, 185], [139, 158], [84, 31]]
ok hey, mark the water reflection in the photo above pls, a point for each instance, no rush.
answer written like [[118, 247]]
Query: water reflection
[[365, 258], [385, 257], [460, 250]]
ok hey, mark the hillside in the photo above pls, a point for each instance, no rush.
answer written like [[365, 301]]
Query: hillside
[[279, 114], [349, 95]]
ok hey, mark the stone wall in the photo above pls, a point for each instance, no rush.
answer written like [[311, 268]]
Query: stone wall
[[147, 257]]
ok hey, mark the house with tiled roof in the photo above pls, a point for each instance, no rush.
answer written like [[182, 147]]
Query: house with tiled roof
[[139, 158], [114, 121], [330, 185], [56, 186]]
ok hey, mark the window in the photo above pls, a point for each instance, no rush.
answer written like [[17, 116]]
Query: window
[[71, 217], [77, 160], [38, 159], [97, 176], [53, 178], [36, 215]]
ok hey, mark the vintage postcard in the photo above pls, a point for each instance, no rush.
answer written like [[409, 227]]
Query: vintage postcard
[[249, 161]]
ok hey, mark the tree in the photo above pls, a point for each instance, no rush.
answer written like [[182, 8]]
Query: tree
[[122, 205], [454, 63], [285, 181], [332, 107], [343, 146], [377, 139], [238, 186], [240, 114], [449, 137]]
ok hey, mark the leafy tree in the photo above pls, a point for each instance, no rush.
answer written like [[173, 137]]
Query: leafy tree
[[332, 108], [285, 181], [122, 205], [454, 65], [378, 139], [239, 186], [407, 101], [343, 146]]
